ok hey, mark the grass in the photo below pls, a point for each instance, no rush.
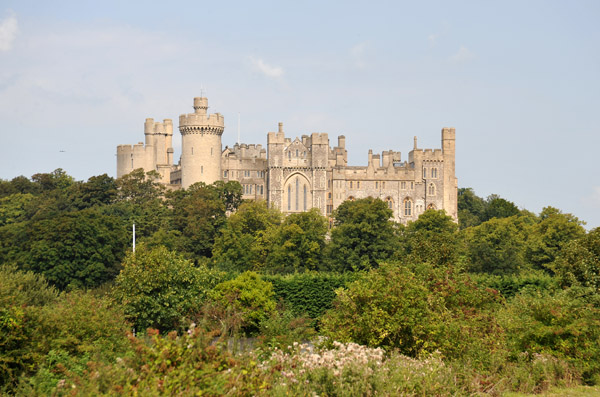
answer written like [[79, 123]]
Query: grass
[[578, 391]]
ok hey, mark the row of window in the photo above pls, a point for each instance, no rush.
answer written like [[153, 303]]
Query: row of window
[[433, 173], [297, 154], [258, 189], [245, 174], [296, 198]]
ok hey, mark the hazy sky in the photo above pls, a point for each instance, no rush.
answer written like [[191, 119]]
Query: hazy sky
[[520, 81]]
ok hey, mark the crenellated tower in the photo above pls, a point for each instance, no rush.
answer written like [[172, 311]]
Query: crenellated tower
[[200, 145]]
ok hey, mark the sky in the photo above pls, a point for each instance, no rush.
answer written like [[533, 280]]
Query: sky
[[519, 80]]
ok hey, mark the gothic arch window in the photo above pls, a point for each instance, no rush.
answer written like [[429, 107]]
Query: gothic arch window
[[431, 206], [350, 198], [298, 195], [434, 173], [290, 154], [408, 205], [431, 189], [390, 202]]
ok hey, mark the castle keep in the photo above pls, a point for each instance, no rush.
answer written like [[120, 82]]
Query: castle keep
[[297, 174]]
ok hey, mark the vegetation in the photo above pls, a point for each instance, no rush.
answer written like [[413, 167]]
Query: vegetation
[[505, 301]]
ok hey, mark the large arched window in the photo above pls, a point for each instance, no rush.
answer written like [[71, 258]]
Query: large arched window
[[408, 204], [298, 195], [431, 206]]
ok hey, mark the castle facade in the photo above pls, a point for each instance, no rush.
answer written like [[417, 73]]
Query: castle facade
[[295, 175]]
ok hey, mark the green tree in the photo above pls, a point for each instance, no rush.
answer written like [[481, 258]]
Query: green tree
[[159, 288], [363, 236], [245, 241], [416, 309], [298, 243], [75, 249], [432, 238], [497, 246], [550, 235], [471, 208], [578, 262], [497, 207], [13, 208], [98, 190], [249, 294]]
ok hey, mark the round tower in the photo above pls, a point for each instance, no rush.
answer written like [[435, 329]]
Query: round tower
[[200, 145]]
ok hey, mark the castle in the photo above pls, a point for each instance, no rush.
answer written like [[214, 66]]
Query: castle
[[296, 175]]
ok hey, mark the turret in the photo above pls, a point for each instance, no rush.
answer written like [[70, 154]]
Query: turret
[[200, 145], [450, 181]]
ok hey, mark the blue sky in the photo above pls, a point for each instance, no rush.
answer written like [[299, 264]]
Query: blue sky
[[520, 82]]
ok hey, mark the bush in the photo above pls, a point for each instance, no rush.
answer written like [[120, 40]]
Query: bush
[[159, 288], [309, 294], [562, 324], [417, 310], [249, 294]]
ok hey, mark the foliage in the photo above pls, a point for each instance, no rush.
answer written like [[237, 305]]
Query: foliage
[[471, 208], [282, 329], [309, 294], [563, 324], [497, 246], [159, 288], [298, 243], [497, 207], [432, 239], [249, 294], [510, 284], [13, 208], [244, 242], [363, 235], [169, 365], [550, 235], [578, 263], [200, 211], [416, 310]]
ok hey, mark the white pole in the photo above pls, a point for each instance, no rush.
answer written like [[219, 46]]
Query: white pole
[[134, 237]]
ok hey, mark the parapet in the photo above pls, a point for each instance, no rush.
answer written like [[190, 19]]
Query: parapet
[[319, 138], [199, 121], [275, 137]]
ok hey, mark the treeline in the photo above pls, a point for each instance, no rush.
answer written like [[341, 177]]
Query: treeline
[[508, 299]]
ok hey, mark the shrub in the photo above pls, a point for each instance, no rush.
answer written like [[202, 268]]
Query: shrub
[[251, 295], [159, 288]]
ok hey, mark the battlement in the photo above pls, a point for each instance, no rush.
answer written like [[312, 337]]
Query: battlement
[[200, 121], [276, 137], [157, 128], [319, 138]]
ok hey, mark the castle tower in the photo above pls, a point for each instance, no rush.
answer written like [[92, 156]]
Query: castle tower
[[449, 175], [200, 145]]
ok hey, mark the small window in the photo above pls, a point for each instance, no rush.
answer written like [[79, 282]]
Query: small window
[[407, 207], [431, 189], [383, 185], [329, 195], [211, 151], [290, 155], [202, 169], [192, 150], [376, 185], [224, 174], [434, 173], [403, 185], [358, 184], [424, 172], [390, 203], [350, 184], [412, 185], [296, 152], [431, 206]]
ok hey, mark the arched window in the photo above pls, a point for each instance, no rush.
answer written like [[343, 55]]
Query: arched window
[[390, 203], [350, 198], [407, 207], [431, 189], [431, 206], [290, 155], [296, 152]]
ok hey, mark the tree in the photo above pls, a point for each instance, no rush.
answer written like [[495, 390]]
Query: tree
[[245, 240], [159, 288], [251, 295], [497, 207], [75, 249], [550, 235], [98, 190], [299, 243], [363, 236], [432, 238], [497, 246], [471, 208], [416, 309], [578, 262]]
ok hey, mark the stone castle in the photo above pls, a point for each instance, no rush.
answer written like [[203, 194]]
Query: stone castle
[[295, 175]]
